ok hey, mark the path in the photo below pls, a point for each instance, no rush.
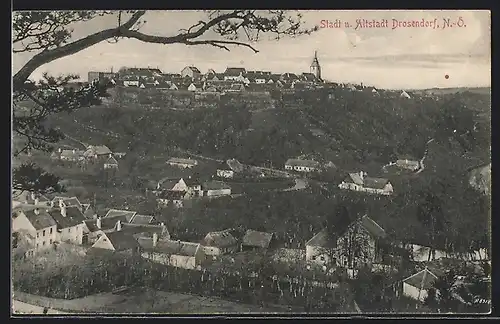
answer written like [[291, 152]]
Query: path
[[300, 184]]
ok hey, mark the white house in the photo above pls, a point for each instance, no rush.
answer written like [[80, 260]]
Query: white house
[[182, 163], [111, 163], [117, 241], [215, 188], [172, 184], [39, 227], [234, 74], [417, 285], [408, 164], [70, 224], [301, 165], [180, 254], [217, 243], [224, 171], [321, 249], [191, 72], [360, 182], [167, 197]]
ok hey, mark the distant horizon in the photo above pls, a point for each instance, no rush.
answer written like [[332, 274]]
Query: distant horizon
[[405, 58]]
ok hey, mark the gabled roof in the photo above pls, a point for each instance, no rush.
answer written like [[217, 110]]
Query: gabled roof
[[375, 183], [224, 166], [40, 221], [372, 227], [305, 163], [171, 247], [111, 160], [191, 182], [215, 185], [68, 201], [73, 217], [182, 161], [219, 239], [71, 153], [193, 68], [423, 279], [234, 71], [107, 223], [289, 76], [117, 212], [99, 150], [143, 230], [308, 76], [122, 241], [322, 239], [169, 183], [257, 239], [141, 219]]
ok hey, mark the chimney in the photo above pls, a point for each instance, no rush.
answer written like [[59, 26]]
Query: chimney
[[155, 239], [37, 201], [110, 155], [74, 151], [37, 211], [362, 175], [61, 203], [63, 211], [59, 150], [33, 196], [119, 225], [98, 222]]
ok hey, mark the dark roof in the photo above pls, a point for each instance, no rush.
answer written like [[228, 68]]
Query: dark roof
[[182, 161], [257, 239], [73, 217], [372, 227], [169, 183], [141, 219], [305, 163], [193, 68], [144, 230], [172, 195], [234, 71], [308, 76], [322, 239], [423, 279], [106, 222], [68, 201], [289, 76], [223, 166], [111, 160], [122, 241], [375, 183], [171, 247], [219, 239], [191, 182], [215, 185], [40, 221]]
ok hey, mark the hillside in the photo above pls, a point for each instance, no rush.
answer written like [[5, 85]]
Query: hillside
[[355, 130]]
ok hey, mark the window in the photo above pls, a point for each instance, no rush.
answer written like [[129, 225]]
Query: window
[[51, 230], [69, 230], [50, 241], [37, 235], [43, 243], [37, 245], [314, 258], [43, 233], [322, 258]]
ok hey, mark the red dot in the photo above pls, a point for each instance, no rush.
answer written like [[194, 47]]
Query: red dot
[[446, 76]]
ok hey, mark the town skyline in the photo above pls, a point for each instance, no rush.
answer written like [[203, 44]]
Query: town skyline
[[404, 58]]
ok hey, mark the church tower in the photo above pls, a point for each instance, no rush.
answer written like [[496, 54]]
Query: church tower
[[315, 67]]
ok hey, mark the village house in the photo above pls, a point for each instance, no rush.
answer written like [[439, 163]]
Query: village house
[[407, 164], [217, 243], [40, 228], [94, 152], [172, 184], [118, 212], [67, 202], [215, 189], [70, 224], [167, 197], [68, 155], [302, 165], [224, 171], [95, 228], [131, 81], [191, 72], [195, 87], [144, 231], [193, 187], [352, 246], [111, 163], [234, 74], [256, 241], [99, 76], [182, 163], [361, 182], [142, 219], [405, 95], [88, 211], [235, 87], [417, 285], [117, 241], [30, 198], [257, 77], [186, 255]]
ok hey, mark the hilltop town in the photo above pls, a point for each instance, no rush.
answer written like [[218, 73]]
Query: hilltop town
[[256, 187]]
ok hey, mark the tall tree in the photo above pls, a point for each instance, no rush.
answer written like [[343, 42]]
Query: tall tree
[[49, 36]]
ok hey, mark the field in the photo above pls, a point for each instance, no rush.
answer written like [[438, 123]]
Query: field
[[144, 301]]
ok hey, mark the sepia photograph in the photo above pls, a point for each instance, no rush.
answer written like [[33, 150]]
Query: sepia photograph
[[250, 162]]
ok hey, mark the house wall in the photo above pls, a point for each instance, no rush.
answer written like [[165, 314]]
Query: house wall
[[181, 261], [72, 234], [218, 192], [130, 83], [180, 186], [110, 166], [211, 250], [103, 243], [299, 168], [413, 292], [320, 255], [225, 173]]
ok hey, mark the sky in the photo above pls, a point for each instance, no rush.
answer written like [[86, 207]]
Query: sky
[[392, 58]]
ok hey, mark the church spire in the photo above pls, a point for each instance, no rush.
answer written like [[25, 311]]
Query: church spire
[[315, 67]]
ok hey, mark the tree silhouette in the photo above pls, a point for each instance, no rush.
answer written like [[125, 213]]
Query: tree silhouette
[[49, 36]]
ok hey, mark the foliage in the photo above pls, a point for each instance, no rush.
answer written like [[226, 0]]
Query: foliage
[[49, 36], [32, 178]]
